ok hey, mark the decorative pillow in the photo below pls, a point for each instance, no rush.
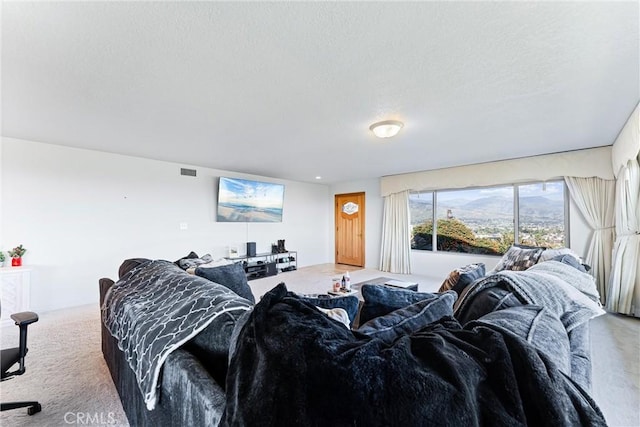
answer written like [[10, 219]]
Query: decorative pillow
[[536, 325], [214, 263], [548, 254], [349, 303], [570, 260], [518, 258], [380, 300], [459, 278], [554, 254], [186, 263], [521, 246], [191, 255], [338, 314], [451, 280], [412, 318], [231, 276]]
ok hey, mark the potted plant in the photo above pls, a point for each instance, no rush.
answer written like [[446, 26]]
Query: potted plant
[[16, 255], [2, 258]]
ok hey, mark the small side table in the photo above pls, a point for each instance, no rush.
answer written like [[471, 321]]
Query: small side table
[[342, 293]]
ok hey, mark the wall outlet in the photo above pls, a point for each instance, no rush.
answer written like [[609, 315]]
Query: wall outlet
[[184, 226]]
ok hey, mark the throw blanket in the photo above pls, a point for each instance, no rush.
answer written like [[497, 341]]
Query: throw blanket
[[569, 293], [294, 366], [154, 309]]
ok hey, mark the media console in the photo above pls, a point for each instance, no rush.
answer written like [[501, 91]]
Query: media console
[[267, 263]]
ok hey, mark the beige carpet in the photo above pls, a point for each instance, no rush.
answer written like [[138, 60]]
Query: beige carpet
[[67, 374]]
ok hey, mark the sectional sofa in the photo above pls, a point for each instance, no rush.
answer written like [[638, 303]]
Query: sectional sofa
[[510, 348]]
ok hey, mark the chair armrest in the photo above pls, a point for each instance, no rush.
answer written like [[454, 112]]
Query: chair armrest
[[24, 318]]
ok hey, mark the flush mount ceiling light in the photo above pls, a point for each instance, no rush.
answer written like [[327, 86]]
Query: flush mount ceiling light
[[386, 128]]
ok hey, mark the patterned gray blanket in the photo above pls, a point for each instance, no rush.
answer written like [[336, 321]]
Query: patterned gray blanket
[[157, 307]]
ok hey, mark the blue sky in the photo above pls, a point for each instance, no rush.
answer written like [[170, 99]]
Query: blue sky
[[255, 193], [552, 190]]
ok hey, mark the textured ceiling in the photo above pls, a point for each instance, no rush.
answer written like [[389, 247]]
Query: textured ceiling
[[289, 89]]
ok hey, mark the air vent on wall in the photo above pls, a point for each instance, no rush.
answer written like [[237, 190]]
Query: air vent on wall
[[187, 172]]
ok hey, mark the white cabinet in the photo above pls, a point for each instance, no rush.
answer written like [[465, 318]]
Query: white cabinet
[[14, 292]]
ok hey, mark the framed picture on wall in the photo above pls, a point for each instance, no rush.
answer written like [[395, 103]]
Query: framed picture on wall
[[233, 251]]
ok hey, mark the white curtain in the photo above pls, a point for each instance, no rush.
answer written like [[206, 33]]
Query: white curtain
[[395, 254], [623, 294], [595, 199]]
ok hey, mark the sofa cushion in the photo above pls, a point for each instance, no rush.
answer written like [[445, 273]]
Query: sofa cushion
[[459, 278], [489, 300], [407, 320], [211, 345], [580, 345], [519, 258], [231, 276], [129, 264], [349, 303], [536, 325], [380, 300]]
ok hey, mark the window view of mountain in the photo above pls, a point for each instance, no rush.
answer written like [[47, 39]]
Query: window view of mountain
[[482, 220], [542, 214]]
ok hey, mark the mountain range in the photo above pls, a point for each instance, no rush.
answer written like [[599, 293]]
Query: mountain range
[[533, 209]]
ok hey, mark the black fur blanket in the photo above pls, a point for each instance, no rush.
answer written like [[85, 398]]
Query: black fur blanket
[[293, 366]]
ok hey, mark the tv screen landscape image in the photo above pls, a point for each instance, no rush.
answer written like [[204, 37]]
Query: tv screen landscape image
[[242, 200]]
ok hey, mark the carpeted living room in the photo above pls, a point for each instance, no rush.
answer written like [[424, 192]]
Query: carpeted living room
[[320, 213]]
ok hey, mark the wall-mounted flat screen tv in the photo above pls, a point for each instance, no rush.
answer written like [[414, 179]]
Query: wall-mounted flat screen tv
[[242, 200]]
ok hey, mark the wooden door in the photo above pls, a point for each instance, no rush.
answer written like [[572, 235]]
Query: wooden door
[[350, 214]]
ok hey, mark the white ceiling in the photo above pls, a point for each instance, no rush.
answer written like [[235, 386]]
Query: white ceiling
[[289, 89]]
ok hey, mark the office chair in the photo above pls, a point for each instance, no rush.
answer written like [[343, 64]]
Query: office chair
[[11, 356]]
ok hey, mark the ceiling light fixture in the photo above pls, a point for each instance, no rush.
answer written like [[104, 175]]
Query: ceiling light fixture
[[386, 128]]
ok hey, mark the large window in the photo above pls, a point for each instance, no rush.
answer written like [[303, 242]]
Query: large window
[[421, 210], [541, 214], [489, 220]]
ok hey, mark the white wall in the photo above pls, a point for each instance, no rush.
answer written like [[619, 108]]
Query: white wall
[[373, 217], [80, 213], [1, 150]]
